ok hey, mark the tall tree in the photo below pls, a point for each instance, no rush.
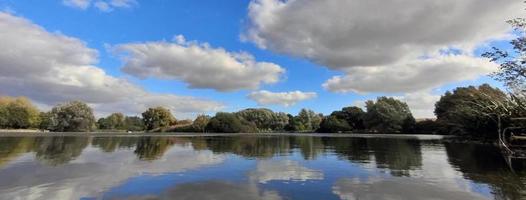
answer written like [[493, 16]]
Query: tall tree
[[158, 117], [307, 120], [18, 113], [477, 110], [75, 116], [112, 122], [386, 114], [200, 123]]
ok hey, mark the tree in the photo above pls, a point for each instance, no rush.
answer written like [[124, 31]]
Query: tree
[[333, 124], [133, 123], [229, 123], [386, 114], [74, 116], [512, 69], [307, 120], [352, 115], [200, 123], [18, 113], [112, 122], [264, 119], [473, 110], [158, 117]]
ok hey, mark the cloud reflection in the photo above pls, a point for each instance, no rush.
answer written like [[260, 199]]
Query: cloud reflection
[[283, 170], [94, 172]]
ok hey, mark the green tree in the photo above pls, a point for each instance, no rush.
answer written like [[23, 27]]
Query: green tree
[[133, 123], [229, 123], [473, 110], [199, 124], [352, 115], [307, 120], [74, 116], [112, 122], [333, 124], [158, 117], [18, 113], [264, 119], [386, 114]]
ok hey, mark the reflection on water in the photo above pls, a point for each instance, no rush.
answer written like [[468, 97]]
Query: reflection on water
[[254, 167]]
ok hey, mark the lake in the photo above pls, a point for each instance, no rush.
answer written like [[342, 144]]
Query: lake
[[254, 167]]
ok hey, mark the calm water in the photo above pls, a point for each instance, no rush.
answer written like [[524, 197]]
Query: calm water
[[254, 167]]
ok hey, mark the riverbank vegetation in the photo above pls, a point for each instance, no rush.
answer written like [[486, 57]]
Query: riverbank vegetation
[[472, 111]]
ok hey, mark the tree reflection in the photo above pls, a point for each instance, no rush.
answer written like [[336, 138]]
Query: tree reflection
[[12, 147], [151, 148], [485, 164], [60, 149], [400, 156], [110, 144]]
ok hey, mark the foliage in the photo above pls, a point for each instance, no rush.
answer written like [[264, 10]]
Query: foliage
[[386, 114], [475, 110], [307, 120], [333, 124], [199, 124], [512, 69], [133, 123], [18, 113], [112, 122], [229, 123], [264, 119], [74, 116], [353, 115], [158, 117]]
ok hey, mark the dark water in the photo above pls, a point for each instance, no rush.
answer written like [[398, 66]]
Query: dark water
[[254, 167]]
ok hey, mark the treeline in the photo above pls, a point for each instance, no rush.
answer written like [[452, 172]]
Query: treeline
[[474, 111]]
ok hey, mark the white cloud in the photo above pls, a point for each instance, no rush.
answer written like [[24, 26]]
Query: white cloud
[[80, 4], [411, 76], [102, 5], [264, 97], [283, 170], [421, 103], [51, 68], [197, 64], [383, 46]]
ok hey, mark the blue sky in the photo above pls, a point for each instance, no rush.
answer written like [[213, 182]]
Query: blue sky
[[226, 25]]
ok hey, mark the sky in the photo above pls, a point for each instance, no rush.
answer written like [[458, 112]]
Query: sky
[[201, 57]]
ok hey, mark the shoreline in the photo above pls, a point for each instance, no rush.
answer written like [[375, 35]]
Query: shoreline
[[186, 134]]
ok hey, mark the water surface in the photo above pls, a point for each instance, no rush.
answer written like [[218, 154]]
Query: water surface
[[254, 167]]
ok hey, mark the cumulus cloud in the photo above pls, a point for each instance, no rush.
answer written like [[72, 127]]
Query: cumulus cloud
[[51, 68], [392, 46], [197, 64], [264, 97], [102, 5], [411, 76], [421, 103]]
